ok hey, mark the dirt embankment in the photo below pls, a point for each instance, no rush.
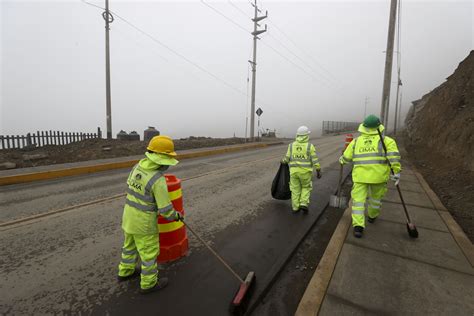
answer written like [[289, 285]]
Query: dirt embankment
[[92, 149], [440, 139]]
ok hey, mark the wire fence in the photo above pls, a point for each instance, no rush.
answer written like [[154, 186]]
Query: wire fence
[[44, 138], [333, 127]]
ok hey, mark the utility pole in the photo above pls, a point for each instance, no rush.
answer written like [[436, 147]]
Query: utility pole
[[399, 83], [400, 108], [108, 17], [388, 64], [255, 34]]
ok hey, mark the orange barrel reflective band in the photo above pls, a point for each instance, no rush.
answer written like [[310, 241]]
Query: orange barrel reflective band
[[349, 138], [173, 238]]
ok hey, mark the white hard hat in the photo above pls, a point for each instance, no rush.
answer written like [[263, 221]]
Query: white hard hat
[[303, 130]]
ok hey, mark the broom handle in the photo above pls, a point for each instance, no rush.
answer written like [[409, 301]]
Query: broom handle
[[340, 180], [391, 170], [214, 253]]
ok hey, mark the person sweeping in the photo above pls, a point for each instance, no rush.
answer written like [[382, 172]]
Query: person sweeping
[[371, 171], [147, 196], [302, 159]]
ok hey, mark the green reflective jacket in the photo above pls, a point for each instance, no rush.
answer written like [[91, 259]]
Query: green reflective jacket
[[147, 196], [301, 155], [368, 157]]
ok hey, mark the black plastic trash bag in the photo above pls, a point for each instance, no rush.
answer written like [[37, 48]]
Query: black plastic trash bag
[[281, 183]]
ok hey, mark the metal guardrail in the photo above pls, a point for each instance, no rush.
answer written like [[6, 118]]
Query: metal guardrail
[[331, 127]]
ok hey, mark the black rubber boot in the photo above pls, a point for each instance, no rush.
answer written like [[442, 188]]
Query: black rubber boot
[[358, 231], [161, 284], [371, 220], [135, 274], [304, 208]]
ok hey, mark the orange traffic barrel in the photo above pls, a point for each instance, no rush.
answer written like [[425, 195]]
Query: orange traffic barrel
[[173, 237], [349, 138]]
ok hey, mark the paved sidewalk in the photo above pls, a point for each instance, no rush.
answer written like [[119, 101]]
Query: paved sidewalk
[[388, 273]]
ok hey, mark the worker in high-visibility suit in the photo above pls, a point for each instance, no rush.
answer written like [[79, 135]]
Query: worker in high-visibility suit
[[147, 196], [302, 159], [371, 171]]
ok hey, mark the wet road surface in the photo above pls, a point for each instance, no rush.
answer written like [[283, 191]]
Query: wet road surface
[[66, 263]]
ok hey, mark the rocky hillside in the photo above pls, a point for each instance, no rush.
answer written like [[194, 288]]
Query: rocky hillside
[[440, 141], [443, 120]]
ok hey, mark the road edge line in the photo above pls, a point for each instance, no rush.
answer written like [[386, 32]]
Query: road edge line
[[313, 297], [60, 173], [456, 231]]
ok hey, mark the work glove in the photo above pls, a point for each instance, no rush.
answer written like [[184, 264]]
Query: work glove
[[179, 217], [395, 178], [318, 174], [341, 160]]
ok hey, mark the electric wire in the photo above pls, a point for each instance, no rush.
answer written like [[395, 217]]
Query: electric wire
[[189, 61], [277, 40], [239, 9], [299, 48], [298, 57], [266, 44], [225, 17]]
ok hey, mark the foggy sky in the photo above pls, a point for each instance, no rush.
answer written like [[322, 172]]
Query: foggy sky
[[53, 63]]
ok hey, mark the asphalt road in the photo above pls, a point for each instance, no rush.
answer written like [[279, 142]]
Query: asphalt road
[[67, 262]]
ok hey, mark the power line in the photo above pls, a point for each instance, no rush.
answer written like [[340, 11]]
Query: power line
[[298, 57], [291, 62], [239, 9], [173, 51], [266, 44], [304, 52], [224, 16], [276, 39]]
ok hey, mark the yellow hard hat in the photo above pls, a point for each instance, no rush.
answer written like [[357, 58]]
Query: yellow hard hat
[[162, 145]]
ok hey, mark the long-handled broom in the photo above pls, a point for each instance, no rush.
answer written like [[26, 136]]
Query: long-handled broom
[[338, 200], [241, 298], [411, 228]]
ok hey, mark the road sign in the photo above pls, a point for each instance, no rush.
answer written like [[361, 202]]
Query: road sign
[[259, 111]]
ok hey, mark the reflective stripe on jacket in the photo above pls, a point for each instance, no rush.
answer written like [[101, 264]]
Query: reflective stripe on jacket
[[369, 159], [301, 155], [147, 195]]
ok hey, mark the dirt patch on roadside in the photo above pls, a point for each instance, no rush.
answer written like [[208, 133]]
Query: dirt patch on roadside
[[440, 143], [92, 149], [451, 183]]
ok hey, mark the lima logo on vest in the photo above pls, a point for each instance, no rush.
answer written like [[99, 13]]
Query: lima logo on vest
[[134, 184], [368, 147], [299, 155]]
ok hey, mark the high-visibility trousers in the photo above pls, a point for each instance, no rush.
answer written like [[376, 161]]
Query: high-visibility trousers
[[148, 248], [300, 187], [370, 193]]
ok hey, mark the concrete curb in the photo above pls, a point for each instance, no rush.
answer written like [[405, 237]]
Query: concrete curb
[[456, 231], [315, 292], [59, 173]]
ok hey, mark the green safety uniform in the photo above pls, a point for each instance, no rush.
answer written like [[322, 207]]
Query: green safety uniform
[[302, 160], [370, 171], [147, 196]]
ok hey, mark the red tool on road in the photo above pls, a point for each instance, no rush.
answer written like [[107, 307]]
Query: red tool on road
[[241, 298]]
